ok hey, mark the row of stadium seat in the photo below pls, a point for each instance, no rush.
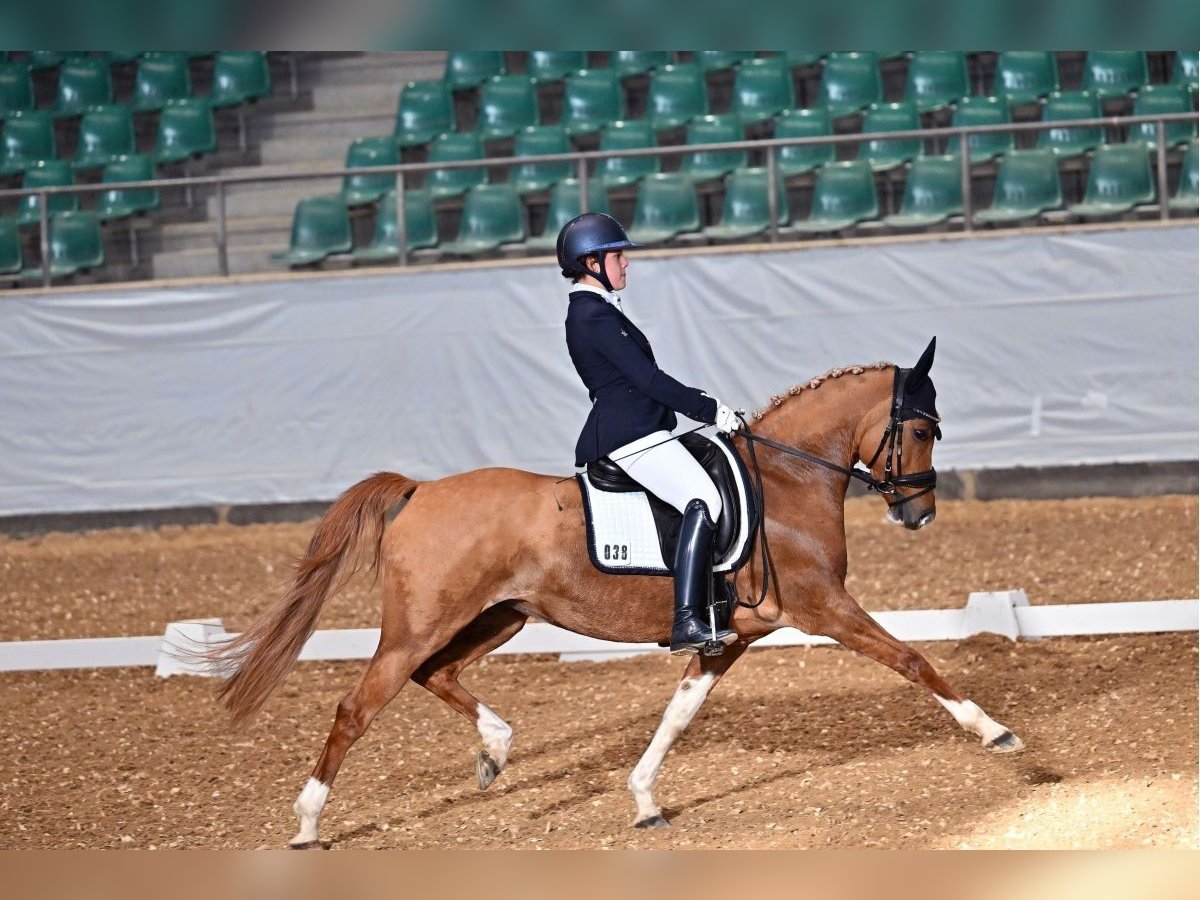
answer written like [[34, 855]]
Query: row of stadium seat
[[882, 152], [763, 88], [85, 82], [844, 195], [186, 128]]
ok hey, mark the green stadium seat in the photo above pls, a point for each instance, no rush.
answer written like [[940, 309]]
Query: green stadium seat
[[801, 123], [76, 245], [16, 89], [1027, 185], [843, 196], [28, 137], [105, 133], [426, 109], [10, 248], [1163, 98], [638, 62], [540, 140], [119, 203], [716, 60], [1065, 106], [491, 216], [564, 206], [800, 58], [48, 59], [320, 228], [1187, 195], [932, 193], [471, 68], [46, 173], [677, 93], [1025, 76], [161, 78], [1187, 69], [708, 164], [240, 76], [1114, 73], [420, 227], [185, 129], [554, 65], [626, 135], [1118, 180], [850, 82], [369, 151], [122, 57], [84, 82], [982, 111], [452, 147], [762, 88], [507, 104], [745, 212], [883, 117], [937, 78], [592, 98], [666, 207]]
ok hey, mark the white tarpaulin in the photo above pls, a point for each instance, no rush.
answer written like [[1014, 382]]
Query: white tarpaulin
[[1052, 349]]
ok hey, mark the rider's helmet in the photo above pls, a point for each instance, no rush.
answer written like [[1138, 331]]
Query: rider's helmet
[[592, 234]]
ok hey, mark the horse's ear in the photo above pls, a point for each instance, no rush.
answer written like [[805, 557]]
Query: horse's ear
[[919, 372]]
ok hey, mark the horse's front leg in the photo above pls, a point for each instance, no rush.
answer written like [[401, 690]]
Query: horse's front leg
[[842, 619], [699, 678]]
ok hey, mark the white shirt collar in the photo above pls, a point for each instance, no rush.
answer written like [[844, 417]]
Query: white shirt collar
[[609, 296]]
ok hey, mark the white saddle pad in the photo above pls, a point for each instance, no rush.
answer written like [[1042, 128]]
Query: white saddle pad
[[623, 538]]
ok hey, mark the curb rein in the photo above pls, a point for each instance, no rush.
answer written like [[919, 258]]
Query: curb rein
[[888, 486]]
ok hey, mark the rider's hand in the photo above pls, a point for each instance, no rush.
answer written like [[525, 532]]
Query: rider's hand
[[727, 420]]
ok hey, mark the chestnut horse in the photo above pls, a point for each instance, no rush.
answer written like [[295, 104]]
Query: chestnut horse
[[471, 557]]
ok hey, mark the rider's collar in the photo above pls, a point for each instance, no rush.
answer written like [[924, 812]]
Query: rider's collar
[[609, 296]]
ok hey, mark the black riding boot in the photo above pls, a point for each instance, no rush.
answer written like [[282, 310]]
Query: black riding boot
[[692, 632]]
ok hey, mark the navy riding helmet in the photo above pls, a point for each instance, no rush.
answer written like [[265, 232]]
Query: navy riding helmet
[[592, 234]]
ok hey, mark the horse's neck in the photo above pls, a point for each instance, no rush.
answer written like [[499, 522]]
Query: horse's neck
[[826, 422]]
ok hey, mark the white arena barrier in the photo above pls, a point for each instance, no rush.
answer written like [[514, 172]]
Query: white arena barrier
[[1006, 613]]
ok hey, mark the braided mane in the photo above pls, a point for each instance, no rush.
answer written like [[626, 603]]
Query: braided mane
[[813, 383]]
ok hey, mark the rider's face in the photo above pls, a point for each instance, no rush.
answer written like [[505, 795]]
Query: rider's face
[[615, 265]]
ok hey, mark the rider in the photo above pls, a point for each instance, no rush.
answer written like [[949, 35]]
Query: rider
[[633, 411]]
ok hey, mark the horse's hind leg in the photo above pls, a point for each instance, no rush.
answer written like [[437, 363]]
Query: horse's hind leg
[[439, 675], [846, 622]]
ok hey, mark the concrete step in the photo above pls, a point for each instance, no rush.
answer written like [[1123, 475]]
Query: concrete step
[[362, 68], [202, 236]]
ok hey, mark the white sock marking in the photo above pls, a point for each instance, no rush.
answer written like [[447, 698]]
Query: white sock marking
[[688, 698], [973, 719], [308, 808], [496, 733]]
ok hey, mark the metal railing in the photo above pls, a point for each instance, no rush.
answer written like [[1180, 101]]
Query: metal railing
[[770, 146]]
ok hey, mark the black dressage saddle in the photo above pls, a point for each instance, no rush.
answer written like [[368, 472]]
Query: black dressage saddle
[[606, 475]]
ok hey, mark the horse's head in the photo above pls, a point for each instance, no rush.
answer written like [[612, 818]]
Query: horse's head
[[897, 444]]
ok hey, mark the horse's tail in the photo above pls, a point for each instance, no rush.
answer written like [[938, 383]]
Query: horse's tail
[[256, 661]]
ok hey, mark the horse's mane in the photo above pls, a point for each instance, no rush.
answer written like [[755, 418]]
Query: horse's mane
[[813, 383]]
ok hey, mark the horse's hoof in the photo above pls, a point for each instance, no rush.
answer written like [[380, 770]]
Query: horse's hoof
[[1005, 743], [308, 845], [486, 769], [652, 822]]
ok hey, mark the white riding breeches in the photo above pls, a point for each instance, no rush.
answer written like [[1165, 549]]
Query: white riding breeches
[[667, 470]]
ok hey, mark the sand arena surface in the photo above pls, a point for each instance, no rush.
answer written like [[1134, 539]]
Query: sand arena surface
[[797, 747]]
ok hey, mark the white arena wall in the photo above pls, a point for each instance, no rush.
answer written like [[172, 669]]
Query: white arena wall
[[1054, 348]]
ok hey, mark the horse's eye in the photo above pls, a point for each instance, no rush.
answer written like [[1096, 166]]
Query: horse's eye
[[920, 434]]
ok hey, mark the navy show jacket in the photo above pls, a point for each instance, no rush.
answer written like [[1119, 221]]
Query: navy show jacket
[[631, 397]]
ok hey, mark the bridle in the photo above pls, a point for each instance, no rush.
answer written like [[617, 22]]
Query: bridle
[[893, 464]]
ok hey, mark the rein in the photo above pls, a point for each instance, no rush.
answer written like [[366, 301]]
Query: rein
[[889, 485]]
